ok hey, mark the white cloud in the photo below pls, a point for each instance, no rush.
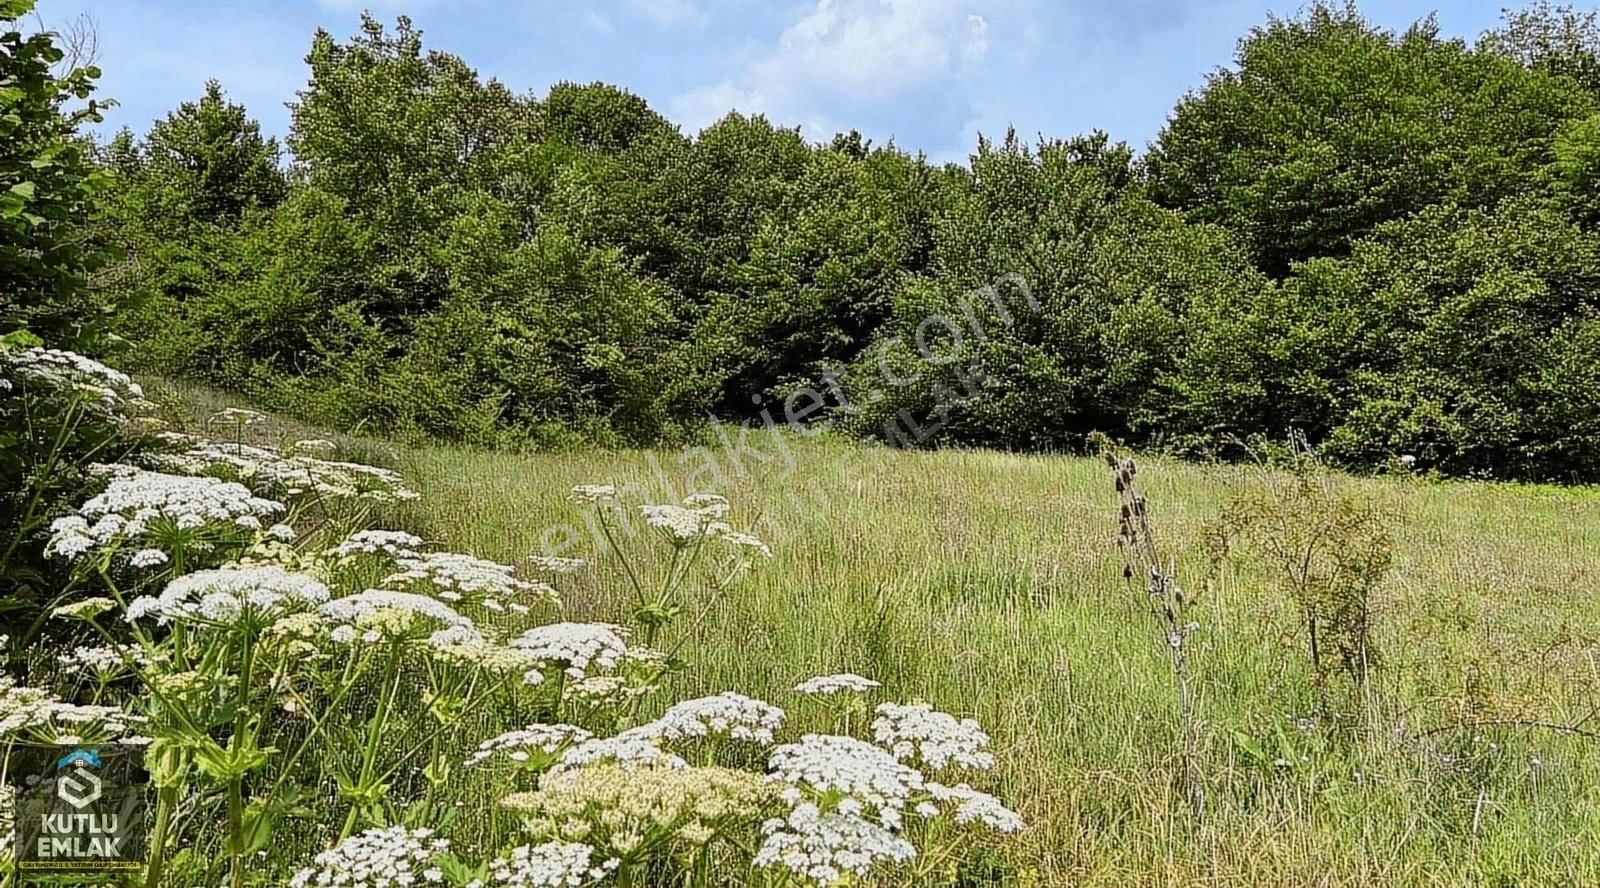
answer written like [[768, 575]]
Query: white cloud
[[846, 52]]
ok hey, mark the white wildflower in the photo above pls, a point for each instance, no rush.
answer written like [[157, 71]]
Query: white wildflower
[[550, 865], [731, 714], [100, 661], [842, 683], [455, 576], [317, 447], [372, 542], [553, 564], [593, 493], [973, 806], [547, 740], [710, 504], [69, 371], [389, 857], [631, 748], [230, 594], [680, 524], [861, 773], [937, 739], [147, 558], [136, 502], [574, 646], [87, 609], [238, 416], [270, 471], [739, 538], [825, 847], [379, 612], [43, 717]]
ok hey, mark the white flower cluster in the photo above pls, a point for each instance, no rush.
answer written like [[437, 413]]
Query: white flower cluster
[[389, 857], [550, 865], [101, 660], [553, 564], [630, 749], [546, 739], [32, 710], [865, 776], [320, 447], [937, 739], [230, 594], [593, 493], [700, 516], [147, 558], [730, 714], [268, 470], [848, 797], [376, 613], [65, 370], [136, 499], [238, 416], [456, 576], [575, 646], [393, 543], [740, 538], [973, 806], [842, 683], [679, 522], [824, 847]]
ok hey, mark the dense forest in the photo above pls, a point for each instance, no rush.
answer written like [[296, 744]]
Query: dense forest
[[1389, 241]]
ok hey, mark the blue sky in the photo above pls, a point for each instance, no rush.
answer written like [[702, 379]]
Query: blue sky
[[931, 74]]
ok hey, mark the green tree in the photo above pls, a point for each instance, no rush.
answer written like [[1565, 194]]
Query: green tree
[[1551, 37], [1328, 127], [1056, 305], [48, 191], [210, 157]]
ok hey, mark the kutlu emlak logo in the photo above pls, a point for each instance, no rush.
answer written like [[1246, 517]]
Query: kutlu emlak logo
[[83, 788], [79, 809]]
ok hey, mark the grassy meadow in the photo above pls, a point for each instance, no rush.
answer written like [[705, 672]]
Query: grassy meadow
[[990, 585]]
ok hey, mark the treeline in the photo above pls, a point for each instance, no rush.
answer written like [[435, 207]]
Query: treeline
[[1386, 240]]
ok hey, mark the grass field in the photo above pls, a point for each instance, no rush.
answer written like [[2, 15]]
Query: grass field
[[990, 585]]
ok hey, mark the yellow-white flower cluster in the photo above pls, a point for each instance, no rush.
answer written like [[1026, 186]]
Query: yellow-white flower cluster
[[621, 809], [375, 614]]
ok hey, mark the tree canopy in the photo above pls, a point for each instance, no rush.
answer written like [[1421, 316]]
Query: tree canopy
[[1384, 239]]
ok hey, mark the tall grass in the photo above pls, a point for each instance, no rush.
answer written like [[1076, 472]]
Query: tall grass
[[991, 585]]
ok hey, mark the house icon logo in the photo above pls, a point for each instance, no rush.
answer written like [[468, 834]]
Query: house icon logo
[[79, 786]]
